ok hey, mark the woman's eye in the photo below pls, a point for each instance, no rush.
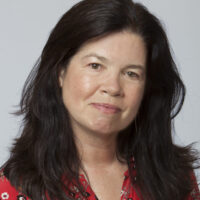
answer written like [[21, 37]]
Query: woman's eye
[[132, 74], [95, 65]]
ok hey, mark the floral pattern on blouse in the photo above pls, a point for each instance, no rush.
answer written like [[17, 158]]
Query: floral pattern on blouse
[[8, 192], [128, 192]]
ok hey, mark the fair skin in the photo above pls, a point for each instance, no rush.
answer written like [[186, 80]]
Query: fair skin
[[109, 70]]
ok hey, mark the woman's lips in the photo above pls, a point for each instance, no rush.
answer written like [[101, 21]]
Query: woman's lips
[[106, 108]]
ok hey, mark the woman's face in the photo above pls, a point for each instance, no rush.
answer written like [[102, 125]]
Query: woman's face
[[103, 85]]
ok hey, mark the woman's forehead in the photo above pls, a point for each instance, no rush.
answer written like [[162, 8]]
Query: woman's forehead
[[124, 46]]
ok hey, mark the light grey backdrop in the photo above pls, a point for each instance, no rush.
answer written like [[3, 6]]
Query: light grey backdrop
[[25, 27]]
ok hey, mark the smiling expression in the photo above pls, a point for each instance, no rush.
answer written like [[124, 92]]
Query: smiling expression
[[103, 85]]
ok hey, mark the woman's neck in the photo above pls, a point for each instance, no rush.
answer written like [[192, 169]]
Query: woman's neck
[[98, 152], [96, 149]]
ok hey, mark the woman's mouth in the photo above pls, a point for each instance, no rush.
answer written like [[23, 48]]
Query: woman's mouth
[[106, 108]]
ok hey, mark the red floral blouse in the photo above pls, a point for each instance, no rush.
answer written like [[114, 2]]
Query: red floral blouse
[[128, 191]]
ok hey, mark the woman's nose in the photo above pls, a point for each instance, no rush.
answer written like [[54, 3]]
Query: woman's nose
[[112, 86]]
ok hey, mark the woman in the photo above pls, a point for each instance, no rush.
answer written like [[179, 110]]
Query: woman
[[98, 110]]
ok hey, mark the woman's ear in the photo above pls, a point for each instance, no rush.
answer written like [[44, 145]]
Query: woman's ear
[[61, 77]]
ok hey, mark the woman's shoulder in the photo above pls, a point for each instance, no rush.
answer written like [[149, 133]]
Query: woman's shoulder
[[195, 194], [7, 191]]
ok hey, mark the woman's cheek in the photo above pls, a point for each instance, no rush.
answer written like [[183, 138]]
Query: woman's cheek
[[83, 86]]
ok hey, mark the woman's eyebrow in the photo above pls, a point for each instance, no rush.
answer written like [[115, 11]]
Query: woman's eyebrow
[[99, 57], [132, 66], [106, 60]]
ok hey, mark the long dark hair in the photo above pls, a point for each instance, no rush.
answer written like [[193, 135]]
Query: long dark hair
[[45, 152]]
